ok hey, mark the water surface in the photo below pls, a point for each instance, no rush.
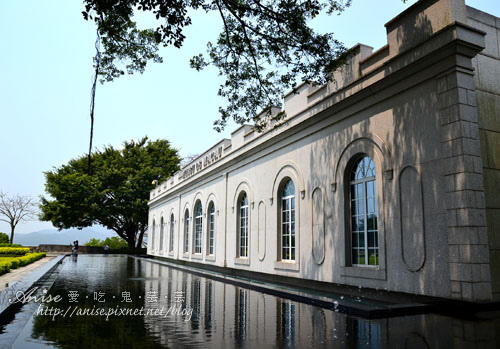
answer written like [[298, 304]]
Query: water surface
[[177, 309]]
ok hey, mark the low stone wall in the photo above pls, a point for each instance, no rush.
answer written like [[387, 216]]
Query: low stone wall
[[68, 249], [87, 249]]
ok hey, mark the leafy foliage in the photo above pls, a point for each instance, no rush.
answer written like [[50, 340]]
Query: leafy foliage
[[10, 245], [94, 243], [4, 238], [15, 262], [19, 251], [263, 50], [115, 195], [113, 242]]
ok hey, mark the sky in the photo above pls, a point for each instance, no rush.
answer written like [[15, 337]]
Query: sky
[[45, 81]]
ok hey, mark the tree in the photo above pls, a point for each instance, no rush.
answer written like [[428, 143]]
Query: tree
[[264, 49], [16, 209], [113, 243], [4, 238], [115, 195]]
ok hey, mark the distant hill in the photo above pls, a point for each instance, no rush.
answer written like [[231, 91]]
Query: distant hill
[[63, 237]]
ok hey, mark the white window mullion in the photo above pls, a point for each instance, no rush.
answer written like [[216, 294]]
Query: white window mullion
[[288, 244]]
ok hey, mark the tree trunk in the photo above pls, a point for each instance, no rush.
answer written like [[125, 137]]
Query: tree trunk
[[12, 227], [124, 235], [131, 242], [141, 237], [127, 235], [130, 238]]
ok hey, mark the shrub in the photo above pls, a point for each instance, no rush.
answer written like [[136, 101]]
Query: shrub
[[10, 245], [16, 262], [4, 267], [114, 242], [4, 238], [30, 258], [20, 251], [93, 242]]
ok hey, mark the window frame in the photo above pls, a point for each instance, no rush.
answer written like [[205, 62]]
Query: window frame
[[291, 223], [153, 235], [198, 228], [211, 221], [364, 182], [185, 248], [161, 233], [172, 231], [245, 209], [370, 146]]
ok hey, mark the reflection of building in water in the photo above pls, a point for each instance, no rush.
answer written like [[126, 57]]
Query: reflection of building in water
[[387, 178], [237, 316], [241, 320], [363, 333], [231, 316], [286, 321]]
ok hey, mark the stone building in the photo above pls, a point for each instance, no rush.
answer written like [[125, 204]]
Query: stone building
[[386, 178]]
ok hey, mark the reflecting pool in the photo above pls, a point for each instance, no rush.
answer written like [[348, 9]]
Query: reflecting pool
[[122, 301]]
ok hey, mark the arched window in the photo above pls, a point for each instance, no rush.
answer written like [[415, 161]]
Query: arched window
[[198, 226], [153, 236], [186, 231], [161, 234], [363, 197], [211, 228], [288, 221], [172, 226], [243, 225]]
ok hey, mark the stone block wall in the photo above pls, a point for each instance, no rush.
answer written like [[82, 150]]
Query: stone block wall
[[68, 249], [487, 87], [464, 201], [432, 107]]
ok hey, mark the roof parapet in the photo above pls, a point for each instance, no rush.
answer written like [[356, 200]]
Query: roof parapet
[[418, 22], [405, 31]]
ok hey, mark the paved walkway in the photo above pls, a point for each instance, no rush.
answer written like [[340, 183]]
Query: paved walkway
[[17, 274]]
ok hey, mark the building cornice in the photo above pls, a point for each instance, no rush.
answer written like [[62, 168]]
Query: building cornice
[[436, 54]]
